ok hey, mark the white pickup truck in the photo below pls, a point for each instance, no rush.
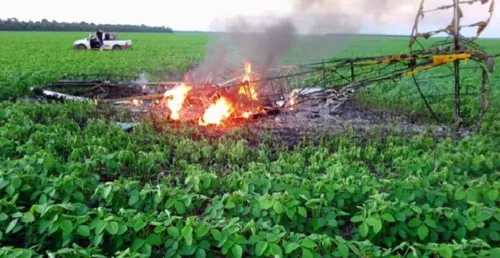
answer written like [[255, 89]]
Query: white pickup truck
[[111, 42]]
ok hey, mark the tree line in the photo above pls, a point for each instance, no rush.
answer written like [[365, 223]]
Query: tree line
[[13, 24]]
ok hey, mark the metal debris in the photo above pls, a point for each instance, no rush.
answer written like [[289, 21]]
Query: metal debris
[[127, 126]]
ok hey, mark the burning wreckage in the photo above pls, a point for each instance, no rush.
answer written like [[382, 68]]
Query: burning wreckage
[[254, 91], [210, 102]]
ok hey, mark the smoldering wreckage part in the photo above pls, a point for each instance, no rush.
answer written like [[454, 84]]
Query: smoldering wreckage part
[[256, 89]]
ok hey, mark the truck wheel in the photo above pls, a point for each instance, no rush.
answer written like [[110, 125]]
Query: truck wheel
[[81, 47], [116, 47]]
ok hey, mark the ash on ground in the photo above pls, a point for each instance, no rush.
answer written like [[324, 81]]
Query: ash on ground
[[315, 119], [349, 116]]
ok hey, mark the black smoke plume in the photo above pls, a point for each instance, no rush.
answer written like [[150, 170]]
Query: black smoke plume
[[266, 41]]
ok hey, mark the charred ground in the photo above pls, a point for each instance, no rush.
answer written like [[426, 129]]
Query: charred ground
[[308, 121]]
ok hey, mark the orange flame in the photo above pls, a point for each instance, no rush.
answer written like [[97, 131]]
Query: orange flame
[[175, 99], [251, 86], [218, 111], [136, 102], [293, 99], [248, 67]]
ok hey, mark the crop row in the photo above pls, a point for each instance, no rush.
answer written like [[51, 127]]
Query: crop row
[[75, 229], [73, 189]]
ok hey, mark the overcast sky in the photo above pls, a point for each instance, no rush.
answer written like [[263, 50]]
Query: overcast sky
[[394, 18]]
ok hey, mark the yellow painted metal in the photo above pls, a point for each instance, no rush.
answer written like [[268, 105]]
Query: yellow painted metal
[[386, 60], [436, 60], [440, 60], [445, 59]]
